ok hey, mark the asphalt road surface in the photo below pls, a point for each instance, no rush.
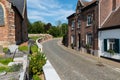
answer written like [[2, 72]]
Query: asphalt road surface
[[70, 66]]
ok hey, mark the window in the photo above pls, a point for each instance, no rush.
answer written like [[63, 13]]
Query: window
[[73, 25], [1, 16], [89, 20], [89, 39], [112, 44], [79, 23]]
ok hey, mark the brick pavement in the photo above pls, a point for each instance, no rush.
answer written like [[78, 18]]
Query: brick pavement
[[110, 63]]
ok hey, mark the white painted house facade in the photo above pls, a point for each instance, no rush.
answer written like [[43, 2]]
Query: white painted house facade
[[109, 40]]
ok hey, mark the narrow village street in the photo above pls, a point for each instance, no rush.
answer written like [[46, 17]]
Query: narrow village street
[[71, 66]]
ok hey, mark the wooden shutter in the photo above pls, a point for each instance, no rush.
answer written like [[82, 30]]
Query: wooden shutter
[[116, 46], [105, 44]]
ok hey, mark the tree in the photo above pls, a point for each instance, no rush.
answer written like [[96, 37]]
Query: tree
[[38, 27], [47, 27], [54, 31], [29, 27], [64, 28]]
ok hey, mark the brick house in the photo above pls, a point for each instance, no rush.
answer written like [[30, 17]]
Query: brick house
[[109, 29], [93, 24], [13, 22], [83, 26]]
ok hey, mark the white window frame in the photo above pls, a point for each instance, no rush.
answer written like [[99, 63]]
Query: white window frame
[[73, 25], [89, 19], [88, 37], [108, 44]]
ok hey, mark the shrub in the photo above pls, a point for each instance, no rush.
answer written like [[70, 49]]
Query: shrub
[[5, 50], [37, 61], [23, 48], [34, 48], [87, 46], [5, 61], [36, 77], [15, 67]]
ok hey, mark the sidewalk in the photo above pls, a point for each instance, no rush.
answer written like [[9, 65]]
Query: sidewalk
[[109, 63]]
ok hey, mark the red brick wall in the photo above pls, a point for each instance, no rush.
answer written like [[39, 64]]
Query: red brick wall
[[8, 19], [14, 29], [105, 10]]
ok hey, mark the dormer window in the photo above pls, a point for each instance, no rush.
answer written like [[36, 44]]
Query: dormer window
[[1, 16], [89, 19]]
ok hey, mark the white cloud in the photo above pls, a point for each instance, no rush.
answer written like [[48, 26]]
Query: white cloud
[[47, 9]]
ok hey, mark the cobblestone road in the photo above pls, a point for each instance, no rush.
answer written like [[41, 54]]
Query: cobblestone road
[[70, 66]]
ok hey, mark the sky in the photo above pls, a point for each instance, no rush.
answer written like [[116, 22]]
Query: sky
[[50, 11]]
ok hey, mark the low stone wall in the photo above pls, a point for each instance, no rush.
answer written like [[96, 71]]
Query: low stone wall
[[43, 36]]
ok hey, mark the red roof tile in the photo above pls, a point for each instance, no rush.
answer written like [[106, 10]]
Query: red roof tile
[[113, 20]]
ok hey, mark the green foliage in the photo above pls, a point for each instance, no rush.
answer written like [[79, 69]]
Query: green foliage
[[112, 52], [87, 46], [23, 48], [36, 77], [55, 31], [37, 61], [15, 68], [65, 39], [5, 50], [34, 48], [3, 69], [40, 27], [5, 61]]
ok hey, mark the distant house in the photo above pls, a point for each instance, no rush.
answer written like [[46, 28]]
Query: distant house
[[13, 22], [83, 25], [95, 27]]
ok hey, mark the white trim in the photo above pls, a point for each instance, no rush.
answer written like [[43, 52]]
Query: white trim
[[106, 18], [81, 2], [110, 14]]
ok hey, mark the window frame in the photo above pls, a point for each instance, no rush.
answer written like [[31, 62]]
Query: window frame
[[89, 19], [73, 25], [89, 38], [79, 23]]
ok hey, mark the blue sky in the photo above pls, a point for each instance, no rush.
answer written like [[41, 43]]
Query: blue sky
[[50, 10]]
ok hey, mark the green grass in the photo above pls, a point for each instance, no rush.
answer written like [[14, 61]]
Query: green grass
[[5, 61], [3, 69], [23, 48], [36, 77]]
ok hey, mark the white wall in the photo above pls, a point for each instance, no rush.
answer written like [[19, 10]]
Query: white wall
[[107, 34]]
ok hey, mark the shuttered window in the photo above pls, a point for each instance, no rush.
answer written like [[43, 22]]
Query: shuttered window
[[1, 16], [112, 44]]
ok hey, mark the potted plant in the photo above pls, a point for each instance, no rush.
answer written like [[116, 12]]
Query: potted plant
[[87, 46], [112, 52]]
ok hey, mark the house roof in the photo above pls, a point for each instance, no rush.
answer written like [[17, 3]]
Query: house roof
[[20, 5], [71, 16], [86, 3], [113, 20]]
